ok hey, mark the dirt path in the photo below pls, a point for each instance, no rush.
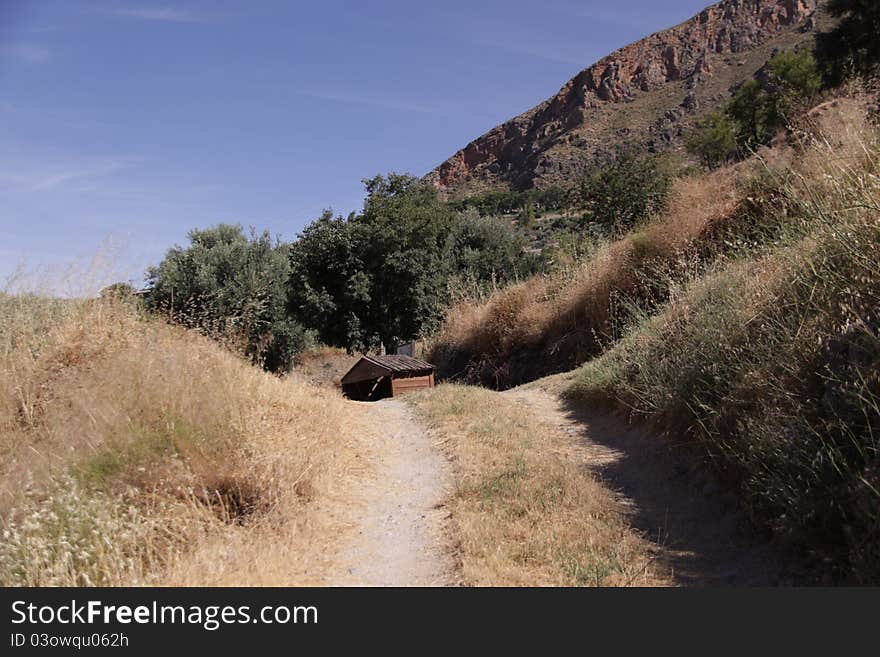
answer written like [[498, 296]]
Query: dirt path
[[700, 537], [394, 510]]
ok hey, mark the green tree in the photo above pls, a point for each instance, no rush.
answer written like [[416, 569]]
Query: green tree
[[748, 108], [378, 277], [406, 227], [792, 81], [623, 193], [382, 276], [763, 106], [231, 285], [329, 288], [758, 109], [853, 44], [714, 140], [488, 250]]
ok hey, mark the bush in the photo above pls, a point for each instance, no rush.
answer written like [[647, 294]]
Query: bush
[[625, 192], [488, 250], [714, 141], [761, 107], [758, 109], [383, 276], [232, 287], [378, 277], [511, 202]]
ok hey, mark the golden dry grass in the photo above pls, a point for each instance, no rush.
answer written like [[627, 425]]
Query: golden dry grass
[[556, 322], [767, 365], [134, 452], [322, 366], [525, 510], [549, 324]]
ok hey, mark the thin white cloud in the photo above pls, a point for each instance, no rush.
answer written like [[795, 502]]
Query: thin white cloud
[[25, 52], [159, 14], [43, 180], [371, 101], [521, 47]]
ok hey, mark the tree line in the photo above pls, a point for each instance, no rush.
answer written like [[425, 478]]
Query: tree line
[[377, 277], [386, 274]]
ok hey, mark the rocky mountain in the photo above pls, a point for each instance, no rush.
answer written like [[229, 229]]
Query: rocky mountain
[[649, 93]]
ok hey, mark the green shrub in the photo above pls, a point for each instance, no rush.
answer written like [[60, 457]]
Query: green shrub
[[489, 250], [233, 287], [758, 109], [625, 192], [714, 141]]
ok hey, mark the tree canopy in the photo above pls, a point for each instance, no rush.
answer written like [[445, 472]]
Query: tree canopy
[[231, 285], [852, 46]]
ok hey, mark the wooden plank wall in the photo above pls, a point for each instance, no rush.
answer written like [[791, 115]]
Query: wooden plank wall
[[401, 386]]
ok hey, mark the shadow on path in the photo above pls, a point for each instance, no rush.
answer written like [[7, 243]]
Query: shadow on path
[[700, 536]]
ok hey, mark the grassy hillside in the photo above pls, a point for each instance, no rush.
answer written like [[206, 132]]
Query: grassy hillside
[[138, 453], [548, 324], [742, 322], [768, 366], [553, 323]]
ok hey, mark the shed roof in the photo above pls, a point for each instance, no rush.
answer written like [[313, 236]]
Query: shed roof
[[373, 367], [401, 363]]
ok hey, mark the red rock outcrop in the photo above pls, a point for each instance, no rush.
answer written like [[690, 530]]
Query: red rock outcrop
[[573, 128]]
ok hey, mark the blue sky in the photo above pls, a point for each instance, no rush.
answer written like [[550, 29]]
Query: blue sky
[[125, 124]]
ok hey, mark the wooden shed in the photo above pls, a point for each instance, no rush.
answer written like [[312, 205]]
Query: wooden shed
[[377, 377]]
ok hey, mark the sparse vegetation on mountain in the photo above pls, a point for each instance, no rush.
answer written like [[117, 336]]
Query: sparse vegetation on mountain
[[758, 110]]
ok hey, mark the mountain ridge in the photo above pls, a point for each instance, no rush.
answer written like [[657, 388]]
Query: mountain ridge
[[648, 92]]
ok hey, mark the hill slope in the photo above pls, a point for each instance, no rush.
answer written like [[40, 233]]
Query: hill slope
[[647, 92]]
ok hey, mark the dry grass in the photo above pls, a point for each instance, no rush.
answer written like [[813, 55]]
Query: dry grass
[[134, 452], [526, 511], [550, 324], [322, 366], [768, 365]]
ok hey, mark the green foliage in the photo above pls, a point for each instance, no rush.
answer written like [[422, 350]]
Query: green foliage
[[793, 79], [714, 140], [852, 46], [763, 106], [748, 109], [528, 204], [488, 249], [232, 286], [382, 277], [758, 109], [404, 228], [328, 286], [623, 193]]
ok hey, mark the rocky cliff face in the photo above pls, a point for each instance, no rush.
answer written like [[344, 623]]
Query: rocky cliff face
[[649, 93]]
